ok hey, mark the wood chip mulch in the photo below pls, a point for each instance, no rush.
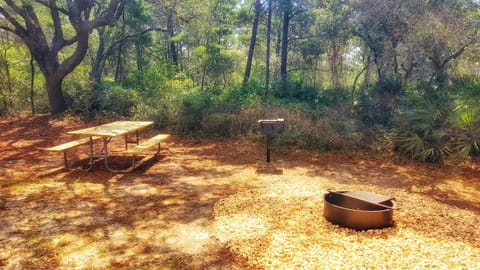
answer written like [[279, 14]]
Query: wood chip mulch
[[281, 226]]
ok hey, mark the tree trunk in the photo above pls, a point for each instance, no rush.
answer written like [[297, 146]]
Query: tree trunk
[[22, 20], [284, 52], [172, 45], [253, 40], [119, 69], [97, 66], [55, 94], [32, 83], [7, 96], [333, 61], [267, 61], [140, 60]]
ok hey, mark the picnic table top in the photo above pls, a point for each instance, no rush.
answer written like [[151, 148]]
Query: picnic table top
[[113, 129]]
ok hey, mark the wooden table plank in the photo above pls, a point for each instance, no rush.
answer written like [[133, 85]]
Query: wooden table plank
[[113, 129]]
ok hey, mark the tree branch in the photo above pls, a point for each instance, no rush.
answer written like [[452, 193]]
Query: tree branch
[[19, 29], [58, 40], [110, 16], [47, 4], [113, 45], [8, 29], [15, 8], [457, 53]]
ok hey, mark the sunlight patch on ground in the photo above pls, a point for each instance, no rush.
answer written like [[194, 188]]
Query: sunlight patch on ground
[[251, 226], [76, 252], [189, 238], [143, 190], [119, 237], [275, 231], [466, 192], [23, 190], [81, 188]]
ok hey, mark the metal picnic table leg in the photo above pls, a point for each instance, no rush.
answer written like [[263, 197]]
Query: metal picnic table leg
[[137, 141], [91, 156], [69, 167], [105, 155]]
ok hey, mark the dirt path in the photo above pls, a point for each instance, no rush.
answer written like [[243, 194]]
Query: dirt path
[[162, 214]]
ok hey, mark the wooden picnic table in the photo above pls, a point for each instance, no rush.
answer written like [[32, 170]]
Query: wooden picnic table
[[109, 131]]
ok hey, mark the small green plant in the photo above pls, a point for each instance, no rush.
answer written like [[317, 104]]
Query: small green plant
[[423, 129], [467, 141]]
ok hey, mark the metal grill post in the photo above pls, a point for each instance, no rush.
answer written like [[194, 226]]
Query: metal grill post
[[270, 128]]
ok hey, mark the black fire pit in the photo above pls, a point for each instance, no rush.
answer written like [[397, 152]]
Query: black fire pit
[[359, 210], [270, 128]]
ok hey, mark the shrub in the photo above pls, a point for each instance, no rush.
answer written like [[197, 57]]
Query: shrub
[[423, 129], [467, 118], [242, 95], [378, 104], [467, 139], [108, 99], [328, 129], [333, 96], [218, 124], [192, 111]]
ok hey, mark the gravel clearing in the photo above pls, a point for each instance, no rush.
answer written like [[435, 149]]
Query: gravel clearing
[[281, 226]]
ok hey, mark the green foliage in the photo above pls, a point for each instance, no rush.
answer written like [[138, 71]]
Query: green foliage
[[108, 99], [214, 66], [440, 124], [15, 81], [295, 89], [162, 94], [152, 79], [467, 118], [333, 96], [423, 128], [242, 95], [467, 141], [378, 103], [192, 111]]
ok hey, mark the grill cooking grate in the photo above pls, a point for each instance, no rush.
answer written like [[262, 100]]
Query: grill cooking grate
[[366, 196]]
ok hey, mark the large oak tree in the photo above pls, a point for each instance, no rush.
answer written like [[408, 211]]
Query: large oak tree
[[69, 25]]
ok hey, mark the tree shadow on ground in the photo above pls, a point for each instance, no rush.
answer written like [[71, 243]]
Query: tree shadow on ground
[[118, 215], [151, 212], [162, 207]]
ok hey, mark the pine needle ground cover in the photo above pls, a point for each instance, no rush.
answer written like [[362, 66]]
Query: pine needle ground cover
[[202, 205]]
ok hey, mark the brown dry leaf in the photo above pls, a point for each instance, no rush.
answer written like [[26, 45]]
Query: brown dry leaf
[[295, 235]]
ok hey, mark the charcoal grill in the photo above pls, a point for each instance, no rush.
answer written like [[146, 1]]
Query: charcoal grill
[[271, 127], [359, 210]]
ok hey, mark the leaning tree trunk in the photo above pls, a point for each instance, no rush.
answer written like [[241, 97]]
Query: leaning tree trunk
[[55, 72], [20, 18], [253, 40]]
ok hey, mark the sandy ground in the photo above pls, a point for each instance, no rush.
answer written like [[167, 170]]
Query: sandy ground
[[204, 204]]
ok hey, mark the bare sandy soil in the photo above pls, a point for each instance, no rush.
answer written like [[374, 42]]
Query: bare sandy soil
[[203, 204]]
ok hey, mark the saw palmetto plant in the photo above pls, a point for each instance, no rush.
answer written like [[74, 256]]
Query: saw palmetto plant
[[422, 131]]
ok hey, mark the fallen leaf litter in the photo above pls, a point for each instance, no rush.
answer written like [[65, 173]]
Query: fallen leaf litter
[[281, 226]]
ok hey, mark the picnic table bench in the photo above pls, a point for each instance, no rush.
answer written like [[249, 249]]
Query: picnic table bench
[[69, 145], [144, 146], [107, 132]]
